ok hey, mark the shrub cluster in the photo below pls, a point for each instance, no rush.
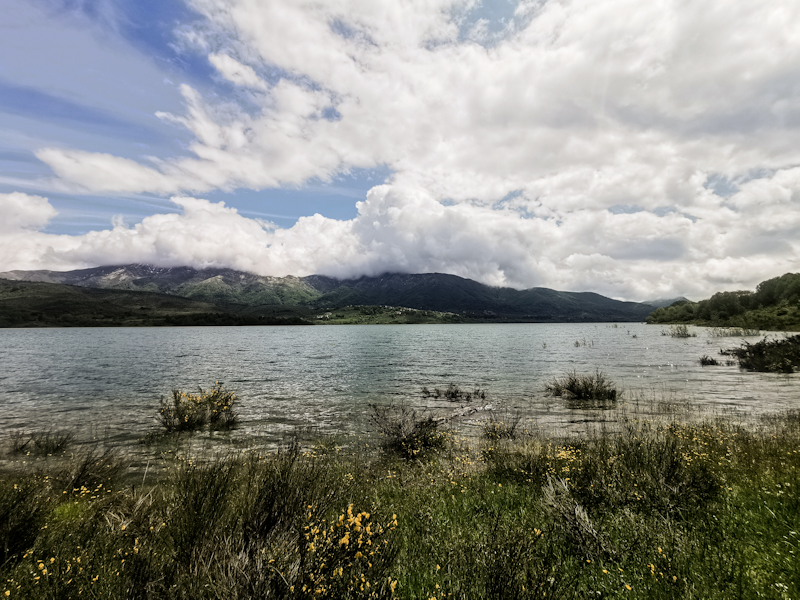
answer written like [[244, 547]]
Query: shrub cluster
[[454, 393], [678, 331], [407, 434], [505, 428], [592, 390], [769, 356], [189, 412]]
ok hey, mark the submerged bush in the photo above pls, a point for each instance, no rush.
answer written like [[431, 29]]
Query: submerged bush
[[708, 361], [454, 393], [734, 332], [678, 331], [588, 389], [769, 356], [188, 412]]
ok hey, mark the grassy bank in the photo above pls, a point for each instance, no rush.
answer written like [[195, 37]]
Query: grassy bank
[[648, 510]]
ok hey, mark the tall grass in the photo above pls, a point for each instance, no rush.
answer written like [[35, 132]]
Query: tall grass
[[454, 393], [733, 332], [40, 443]]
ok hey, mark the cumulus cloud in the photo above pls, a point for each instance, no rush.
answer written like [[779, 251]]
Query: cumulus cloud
[[573, 151], [637, 255], [20, 212]]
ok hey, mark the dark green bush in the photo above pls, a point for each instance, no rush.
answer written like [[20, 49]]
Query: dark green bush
[[586, 391], [769, 356]]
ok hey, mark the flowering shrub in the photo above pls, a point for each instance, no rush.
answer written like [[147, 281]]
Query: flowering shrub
[[349, 557], [188, 412]]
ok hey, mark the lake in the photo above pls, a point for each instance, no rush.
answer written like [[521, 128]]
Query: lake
[[108, 381]]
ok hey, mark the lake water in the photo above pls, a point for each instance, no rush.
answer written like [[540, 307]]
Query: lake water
[[109, 380]]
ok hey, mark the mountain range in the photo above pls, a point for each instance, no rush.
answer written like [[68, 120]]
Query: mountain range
[[237, 291]]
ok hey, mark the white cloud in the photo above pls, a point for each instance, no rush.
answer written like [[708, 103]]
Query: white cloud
[[236, 72], [21, 212], [581, 108]]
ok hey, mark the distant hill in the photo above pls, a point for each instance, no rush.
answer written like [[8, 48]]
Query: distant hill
[[449, 293], [41, 304], [209, 285], [774, 305], [663, 302], [431, 292]]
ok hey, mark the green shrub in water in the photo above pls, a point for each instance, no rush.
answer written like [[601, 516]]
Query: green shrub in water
[[189, 412]]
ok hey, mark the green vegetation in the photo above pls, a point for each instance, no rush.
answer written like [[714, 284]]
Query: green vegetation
[[733, 332], [775, 305], [454, 393], [189, 412], [388, 298], [33, 304], [769, 356], [590, 391], [640, 509], [40, 443], [708, 361], [384, 315], [678, 331], [405, 433]]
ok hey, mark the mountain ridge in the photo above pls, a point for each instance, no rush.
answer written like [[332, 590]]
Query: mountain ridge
[[423, 291]]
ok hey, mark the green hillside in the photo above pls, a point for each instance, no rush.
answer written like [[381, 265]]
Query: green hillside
[[38, 304], [472, 300], [774, 305]]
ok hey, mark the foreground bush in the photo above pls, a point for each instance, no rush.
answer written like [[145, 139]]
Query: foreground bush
[[407, 434]]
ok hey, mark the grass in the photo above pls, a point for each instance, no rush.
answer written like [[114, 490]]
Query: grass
[[592, 390], [40, 443], [734, 332], [643, 509]]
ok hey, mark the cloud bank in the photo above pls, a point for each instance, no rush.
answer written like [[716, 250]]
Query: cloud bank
[[634, 149]]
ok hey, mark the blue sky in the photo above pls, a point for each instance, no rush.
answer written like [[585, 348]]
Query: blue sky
[[59, 87], [634, 149]]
